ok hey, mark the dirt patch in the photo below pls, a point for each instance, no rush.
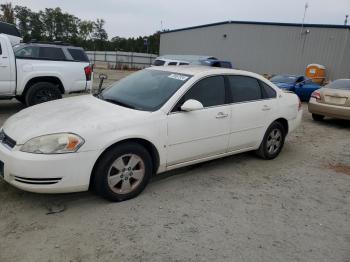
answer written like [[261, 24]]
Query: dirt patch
[[239, 208], [340, 168]]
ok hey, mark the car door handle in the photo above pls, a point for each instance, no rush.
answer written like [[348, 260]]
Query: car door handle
[[266, 108], [221, 115]]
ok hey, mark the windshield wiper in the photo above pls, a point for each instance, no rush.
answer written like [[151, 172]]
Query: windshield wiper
[[117, 102]]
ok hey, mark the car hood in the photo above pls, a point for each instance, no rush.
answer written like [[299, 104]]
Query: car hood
[[283, 85], [83, 115]]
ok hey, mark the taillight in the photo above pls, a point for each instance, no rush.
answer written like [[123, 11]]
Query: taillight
[[88, 73], [316, 95]]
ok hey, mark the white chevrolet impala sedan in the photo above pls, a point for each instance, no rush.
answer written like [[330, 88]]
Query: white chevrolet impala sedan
[[150, 122]]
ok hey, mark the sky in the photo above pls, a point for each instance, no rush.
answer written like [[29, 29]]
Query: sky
[[131, 18]]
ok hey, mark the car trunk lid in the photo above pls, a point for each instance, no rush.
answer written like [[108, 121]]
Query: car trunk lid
[[335, 97]]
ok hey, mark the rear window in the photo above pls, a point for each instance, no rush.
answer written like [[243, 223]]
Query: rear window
[[244, 89], [342, 84], [78, 55], [158, 62], [51, 53], [267, 91]]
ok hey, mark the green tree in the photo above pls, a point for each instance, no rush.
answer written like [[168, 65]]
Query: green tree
[[86, 28], [100, 35], [8, 15], [49, 23], [37, 26], [23, 19]]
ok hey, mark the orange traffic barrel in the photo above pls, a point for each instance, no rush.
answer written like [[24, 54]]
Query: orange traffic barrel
[[316, 72]]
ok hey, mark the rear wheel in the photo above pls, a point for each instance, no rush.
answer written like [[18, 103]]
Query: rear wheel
[[123, 172], [42, 92], [273, 141], [317, 117]]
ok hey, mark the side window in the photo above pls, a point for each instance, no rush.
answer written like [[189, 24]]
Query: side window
[[28, 52], [53, 53], [78, 55], [182, 63], [158, 62], [0, 49], [267, 91], [209, 91], [244, 88], [172, 63]]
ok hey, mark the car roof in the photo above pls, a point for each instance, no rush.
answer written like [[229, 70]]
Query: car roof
[[197, 70], [49, 45], [287, 75], [187, 58], [171, 60]]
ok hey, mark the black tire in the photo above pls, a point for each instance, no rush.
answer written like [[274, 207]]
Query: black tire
[[265, 146], [21, 99], [104, 169], [317, 117], [42, 92]]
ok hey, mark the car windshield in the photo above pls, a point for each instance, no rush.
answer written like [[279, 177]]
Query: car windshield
[[343, 84], [145, 90], [284, 79]]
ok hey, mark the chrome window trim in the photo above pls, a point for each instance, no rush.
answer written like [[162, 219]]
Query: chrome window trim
[[233, 103]]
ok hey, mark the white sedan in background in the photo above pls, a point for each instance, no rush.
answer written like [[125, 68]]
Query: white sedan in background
[[150, 122]]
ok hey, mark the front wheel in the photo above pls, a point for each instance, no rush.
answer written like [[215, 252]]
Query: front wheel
[[123, 172], [273, 141]]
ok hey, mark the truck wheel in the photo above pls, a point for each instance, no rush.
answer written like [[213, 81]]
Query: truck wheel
[[273, 142], [123, 172], [42, 92], [21, 99]]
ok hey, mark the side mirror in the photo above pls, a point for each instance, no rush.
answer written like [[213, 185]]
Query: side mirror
[[191, 105]]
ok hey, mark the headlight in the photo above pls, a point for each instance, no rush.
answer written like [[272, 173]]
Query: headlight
[[53, 144]]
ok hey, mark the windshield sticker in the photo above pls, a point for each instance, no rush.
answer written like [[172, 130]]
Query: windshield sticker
[[178, 77]]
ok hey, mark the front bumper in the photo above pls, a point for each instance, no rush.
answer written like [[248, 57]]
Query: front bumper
[[335, 111], [60, 173]]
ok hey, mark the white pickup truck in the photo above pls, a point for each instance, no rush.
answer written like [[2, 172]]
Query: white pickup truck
[[37, 72]]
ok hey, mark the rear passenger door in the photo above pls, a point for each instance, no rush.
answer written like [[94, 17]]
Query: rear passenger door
[[253, 107]]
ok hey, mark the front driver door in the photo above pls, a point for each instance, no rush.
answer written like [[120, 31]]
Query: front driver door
[[201, 133]]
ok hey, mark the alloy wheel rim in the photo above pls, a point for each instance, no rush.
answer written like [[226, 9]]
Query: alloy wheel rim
[[43, 96], [274, 141], [126, 173]]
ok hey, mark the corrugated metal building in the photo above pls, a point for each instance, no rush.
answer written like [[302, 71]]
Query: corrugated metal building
[[272, 48]]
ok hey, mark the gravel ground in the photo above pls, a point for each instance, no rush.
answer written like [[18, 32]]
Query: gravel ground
[[240, 208]]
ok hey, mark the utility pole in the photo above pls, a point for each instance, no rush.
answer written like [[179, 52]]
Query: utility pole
[[302, 25]]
